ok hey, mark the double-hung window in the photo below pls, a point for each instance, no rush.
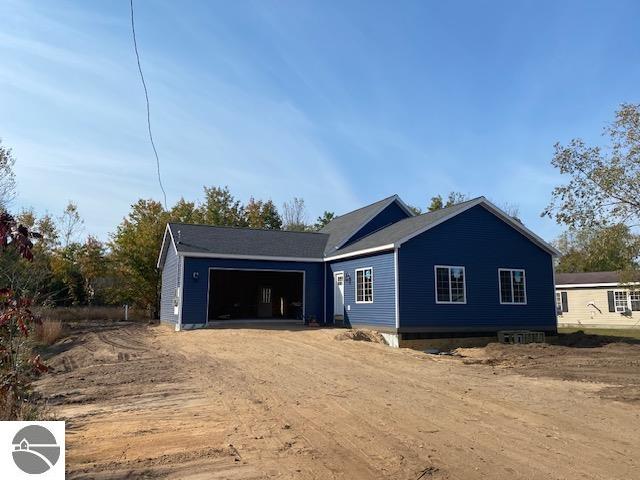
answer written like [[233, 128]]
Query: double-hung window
[[620, 301], [450, 284], [364, 285], [513, 286]]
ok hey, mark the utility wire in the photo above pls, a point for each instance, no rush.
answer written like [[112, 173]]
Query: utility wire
[[146, 96]]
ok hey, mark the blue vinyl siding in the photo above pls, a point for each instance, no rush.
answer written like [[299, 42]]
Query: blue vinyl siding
[[379, 314], [194, 302], [170, 278], [482, 243], [391, 214]]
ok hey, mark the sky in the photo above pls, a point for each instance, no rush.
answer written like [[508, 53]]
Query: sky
[[341, 103]]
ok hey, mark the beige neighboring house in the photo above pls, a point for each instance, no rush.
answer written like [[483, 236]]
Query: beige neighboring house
[[596, 299]]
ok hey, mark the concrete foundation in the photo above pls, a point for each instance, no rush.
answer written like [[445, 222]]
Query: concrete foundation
[[447, 344]]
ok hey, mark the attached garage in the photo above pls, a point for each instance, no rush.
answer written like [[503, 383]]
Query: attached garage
[[255, 294]]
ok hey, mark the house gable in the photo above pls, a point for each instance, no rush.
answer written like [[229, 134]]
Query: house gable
[[482, 243], [352, 226]]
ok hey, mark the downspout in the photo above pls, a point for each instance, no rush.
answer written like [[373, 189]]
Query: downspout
[[396, 289], [181, 280]]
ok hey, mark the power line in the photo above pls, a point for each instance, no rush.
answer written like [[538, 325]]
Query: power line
[[146, 96]]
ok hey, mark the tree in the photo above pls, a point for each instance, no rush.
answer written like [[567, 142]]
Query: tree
[[598, 249], [186, 212], [134, 252], [7, 177], [323, 220], [294, 215], [220, 208], [17, 364], [415, 210], [453, 198], [69, 223], [264, 215], [93, 266], [603, 185]]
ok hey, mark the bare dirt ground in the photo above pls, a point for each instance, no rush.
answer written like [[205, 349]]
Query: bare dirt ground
[[146, 402]]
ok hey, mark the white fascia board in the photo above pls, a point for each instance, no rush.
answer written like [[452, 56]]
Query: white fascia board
[[248, 257], [164, 239], [366, 251], [404, 206], [593, 285]]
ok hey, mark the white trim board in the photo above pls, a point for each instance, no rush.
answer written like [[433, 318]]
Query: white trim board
[[249, 257], [355, 285], [593, 285]]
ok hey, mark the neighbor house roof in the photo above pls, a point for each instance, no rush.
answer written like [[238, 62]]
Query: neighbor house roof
[[342, 228], [397, 233], [588, 279], [207, 240]]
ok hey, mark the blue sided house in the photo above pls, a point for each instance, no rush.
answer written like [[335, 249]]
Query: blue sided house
[[468, 270]]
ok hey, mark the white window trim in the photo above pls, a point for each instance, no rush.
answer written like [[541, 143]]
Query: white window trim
[[464, 284], [628, 302], [355, 282], [524, 277]]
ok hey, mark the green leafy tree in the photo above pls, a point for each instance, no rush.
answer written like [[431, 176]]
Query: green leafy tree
[[93, 266], [134, 252], [603, 186], [324, 219], [186, 212], [613, 248], [259, 214], [221, 208], [453, 198]]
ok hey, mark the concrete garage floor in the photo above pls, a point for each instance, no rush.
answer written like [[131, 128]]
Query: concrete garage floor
[[146, 402]]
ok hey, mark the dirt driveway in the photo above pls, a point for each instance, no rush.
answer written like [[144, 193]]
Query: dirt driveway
[[145, 402]]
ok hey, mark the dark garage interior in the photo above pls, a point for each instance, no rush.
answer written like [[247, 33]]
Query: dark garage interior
[[255, 294]]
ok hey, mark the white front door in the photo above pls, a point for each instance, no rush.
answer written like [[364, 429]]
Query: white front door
[[338, 295]]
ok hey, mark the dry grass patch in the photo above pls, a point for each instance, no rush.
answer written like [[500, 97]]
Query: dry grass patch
[[48, 331]]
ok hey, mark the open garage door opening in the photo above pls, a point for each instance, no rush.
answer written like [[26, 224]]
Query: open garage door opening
[[255, 294]]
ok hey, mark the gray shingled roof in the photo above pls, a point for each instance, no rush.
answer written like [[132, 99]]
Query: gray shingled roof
[[246, 241], [399, 230], [340, 228], [587, 277]]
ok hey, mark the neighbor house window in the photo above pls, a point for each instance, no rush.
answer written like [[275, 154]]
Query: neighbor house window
[[450, 284], [559, 303], [513, 287], [364, 285], [634, 298], [620, 301]]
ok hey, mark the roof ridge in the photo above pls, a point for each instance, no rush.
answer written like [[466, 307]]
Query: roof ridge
[[243, 228], [395, 195]]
